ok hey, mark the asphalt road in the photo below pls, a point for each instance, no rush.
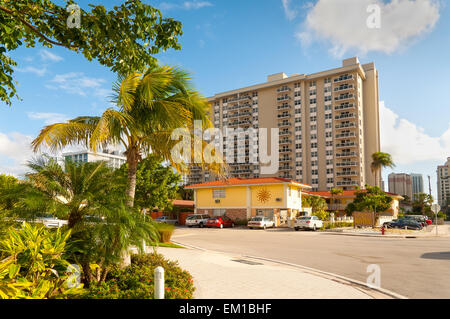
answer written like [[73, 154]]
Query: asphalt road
[[413, 267]]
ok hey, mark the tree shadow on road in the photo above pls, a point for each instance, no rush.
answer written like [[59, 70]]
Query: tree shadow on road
[[437, 255]]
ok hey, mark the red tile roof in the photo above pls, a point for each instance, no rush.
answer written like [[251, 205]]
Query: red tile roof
[[179, 202], [247, 181]]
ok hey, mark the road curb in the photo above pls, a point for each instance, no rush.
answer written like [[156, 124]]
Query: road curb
[[311, 270], [316, 271], [377, 236]]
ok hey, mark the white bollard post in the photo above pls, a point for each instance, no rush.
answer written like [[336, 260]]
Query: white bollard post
[[159, 283]]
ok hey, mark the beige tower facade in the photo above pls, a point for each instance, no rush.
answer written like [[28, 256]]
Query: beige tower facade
[[443, 184], [401, 184], [328, 125]]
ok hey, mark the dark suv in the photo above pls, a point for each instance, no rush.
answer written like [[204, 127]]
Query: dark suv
[[408, 223]]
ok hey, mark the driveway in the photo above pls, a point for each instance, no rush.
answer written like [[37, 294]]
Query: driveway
[[415, 267]]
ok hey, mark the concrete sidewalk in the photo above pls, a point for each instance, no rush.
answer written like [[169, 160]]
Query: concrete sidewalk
[[221, 276]]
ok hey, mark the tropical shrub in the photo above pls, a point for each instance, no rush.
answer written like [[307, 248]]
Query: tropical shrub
[[137, 280], [165, 232], [322, 214], [329, 225], [32, 264]]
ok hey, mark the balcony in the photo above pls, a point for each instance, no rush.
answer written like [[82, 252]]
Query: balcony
[[285, 150], [344, 87], [346, 173], [345, 116], [344, 97], [285, 141], [286, 168], [283, 124], [346, 135], [346, 125], [347, 154], [284, 116], [344, 78], [344, 106], [284, 133], [351, 144], [347, 164], [284, 107], [285, 159], [241, 98], [347, 183], [283, 98], [283, 89]]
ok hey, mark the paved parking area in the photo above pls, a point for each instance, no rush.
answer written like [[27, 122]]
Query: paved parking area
[[415, 268]]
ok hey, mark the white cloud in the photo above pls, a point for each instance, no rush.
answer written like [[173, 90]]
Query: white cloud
[[77, 83], [290, 13], [408, 143], [15, 151], [49, 56], [48, 118], [32, 69], [187, 5], [343, 23]]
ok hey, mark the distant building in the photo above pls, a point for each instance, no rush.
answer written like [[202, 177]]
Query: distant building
[[113, 158], [443, 184], [400, 184], [417, 184]]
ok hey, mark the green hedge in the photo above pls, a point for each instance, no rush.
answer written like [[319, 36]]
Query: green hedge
[[328, 225], [137, 280]]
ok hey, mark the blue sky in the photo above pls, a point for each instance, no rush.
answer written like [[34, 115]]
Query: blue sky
[[234, 43]]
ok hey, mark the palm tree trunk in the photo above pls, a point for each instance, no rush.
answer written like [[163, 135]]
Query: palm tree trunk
[[132, 169]]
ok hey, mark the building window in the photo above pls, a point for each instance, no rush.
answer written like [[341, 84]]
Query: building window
[[218, 193]]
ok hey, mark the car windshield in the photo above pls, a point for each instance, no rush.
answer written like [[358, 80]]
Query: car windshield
[[192, 217], [305, 218], [257, 219]]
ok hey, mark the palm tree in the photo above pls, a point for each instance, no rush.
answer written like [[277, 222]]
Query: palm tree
[[90, 196], [149, 107], [380, 160], [335, 192]]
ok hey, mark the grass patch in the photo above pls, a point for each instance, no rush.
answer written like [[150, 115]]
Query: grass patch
[[171, 245]]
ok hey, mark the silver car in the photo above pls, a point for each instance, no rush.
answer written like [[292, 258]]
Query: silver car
[[260, 222]]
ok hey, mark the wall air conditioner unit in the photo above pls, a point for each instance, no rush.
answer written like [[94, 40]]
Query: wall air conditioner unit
[[278, 199], [217, 201]]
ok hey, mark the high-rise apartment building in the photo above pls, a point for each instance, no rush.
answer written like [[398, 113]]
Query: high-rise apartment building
[[328, 125], [113, 158], [417, 184], [400, 184], [443, 184]]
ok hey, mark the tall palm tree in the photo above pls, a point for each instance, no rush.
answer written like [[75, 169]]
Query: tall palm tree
[[380, 160], [149, 107]]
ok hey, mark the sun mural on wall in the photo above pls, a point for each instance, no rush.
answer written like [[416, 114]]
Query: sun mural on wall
[[263, 195]]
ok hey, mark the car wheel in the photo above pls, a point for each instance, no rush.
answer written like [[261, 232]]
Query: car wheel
[[250, 228], [221, 226], [201, 225], [314, 228], [232, 225], [297, 229], [264, 227]]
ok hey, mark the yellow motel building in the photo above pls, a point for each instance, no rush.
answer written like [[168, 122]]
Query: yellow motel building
[[240, 199]]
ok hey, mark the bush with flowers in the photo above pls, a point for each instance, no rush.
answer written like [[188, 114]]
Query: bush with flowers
[[137, 280]]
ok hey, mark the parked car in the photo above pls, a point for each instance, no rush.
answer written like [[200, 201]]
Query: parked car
[[418, 218], [199, 220], [219, 222], [51, 221], [407, 223], [308, 222], [260, 222], [167, 220]]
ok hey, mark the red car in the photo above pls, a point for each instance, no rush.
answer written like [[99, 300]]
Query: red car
[[428, 221], [219, 222]]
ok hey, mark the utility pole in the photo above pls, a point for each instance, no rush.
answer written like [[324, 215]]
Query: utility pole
[[429, 183]]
